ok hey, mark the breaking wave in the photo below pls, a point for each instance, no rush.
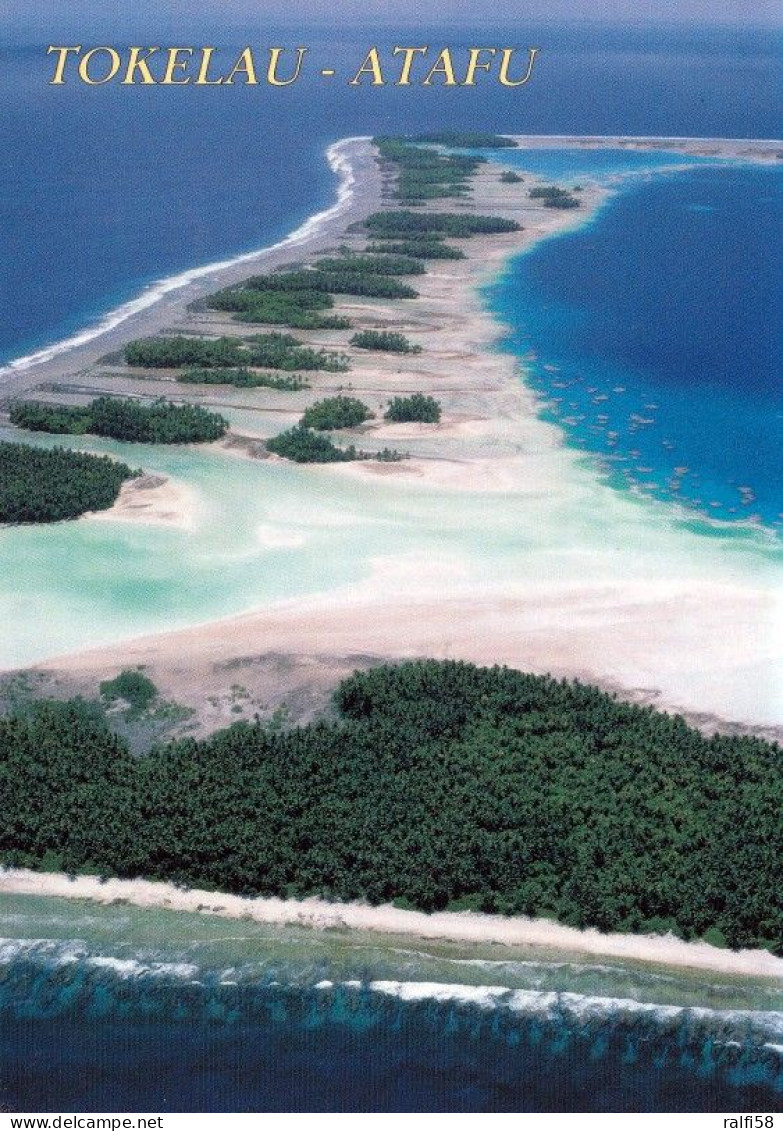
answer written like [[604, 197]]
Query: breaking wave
[[339, 161]]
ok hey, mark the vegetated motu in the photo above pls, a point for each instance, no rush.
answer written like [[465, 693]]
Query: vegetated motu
[[242, 379], [302, 310], [302, 445], [266, 351], [333, 282], [47, 485], [420, 249], [423, 174], [387, 340], [417, 407], [335, 412], [122, 419], [403, 224], [554, 197], [373, 265], [440, 783]]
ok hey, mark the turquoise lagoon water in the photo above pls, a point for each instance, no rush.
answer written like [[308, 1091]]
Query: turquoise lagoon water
[[264, 532], [117, 1009], [608, 326]]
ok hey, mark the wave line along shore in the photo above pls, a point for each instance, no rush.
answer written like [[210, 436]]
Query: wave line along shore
[[463, 926]]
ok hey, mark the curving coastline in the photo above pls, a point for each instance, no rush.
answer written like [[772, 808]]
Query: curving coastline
[[356, 196], [625, 611]]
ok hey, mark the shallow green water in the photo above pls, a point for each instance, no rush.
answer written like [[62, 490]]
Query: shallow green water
[[133, 941], [267, 531]]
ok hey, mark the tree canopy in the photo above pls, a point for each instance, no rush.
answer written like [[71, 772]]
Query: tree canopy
[[384, 340], [417, 407], [120, 418], [336, 412], [38, 485], [441, 783], [264, 351]]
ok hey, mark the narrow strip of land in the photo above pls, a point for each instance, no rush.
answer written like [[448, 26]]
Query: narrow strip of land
[[465, 926]]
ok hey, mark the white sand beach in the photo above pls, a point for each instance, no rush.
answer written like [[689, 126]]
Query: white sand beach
[[462, 926], [606, 589]]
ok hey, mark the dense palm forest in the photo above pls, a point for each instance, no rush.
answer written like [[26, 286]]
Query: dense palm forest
[[441, 785], [423, 174], [161, 422], [372, 264], [304, 445], [554, 197], [302, 310], [426, 247], [242, 379], [47, 486], [337, 281]]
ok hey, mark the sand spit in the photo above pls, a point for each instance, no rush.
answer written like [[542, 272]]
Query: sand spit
[[151, 499], [690, 636]]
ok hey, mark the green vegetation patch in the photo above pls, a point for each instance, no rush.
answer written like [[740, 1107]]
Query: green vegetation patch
[[242, 379], [373, 265], [124, 419], [335, 282], [423, 174], [406, 224], [62, 420], [439, 784], [335, 412], [423, 249], [417, 407], [132, 686], [387, 340], [301, 309], [266, 351], [47, 486], [554, 197], [509, 177], [302, 445]]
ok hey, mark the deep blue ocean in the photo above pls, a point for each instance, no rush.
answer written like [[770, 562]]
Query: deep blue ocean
[[650, 343], [118, 1009]]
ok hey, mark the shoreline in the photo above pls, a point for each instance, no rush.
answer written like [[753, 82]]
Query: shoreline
[[632, 631], [356, 195], [452, 926], [156, 500], [306, 236]]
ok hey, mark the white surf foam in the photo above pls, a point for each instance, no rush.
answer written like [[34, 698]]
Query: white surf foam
[[132, 968], [57, 952], [338, 157], [550, 1004]]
